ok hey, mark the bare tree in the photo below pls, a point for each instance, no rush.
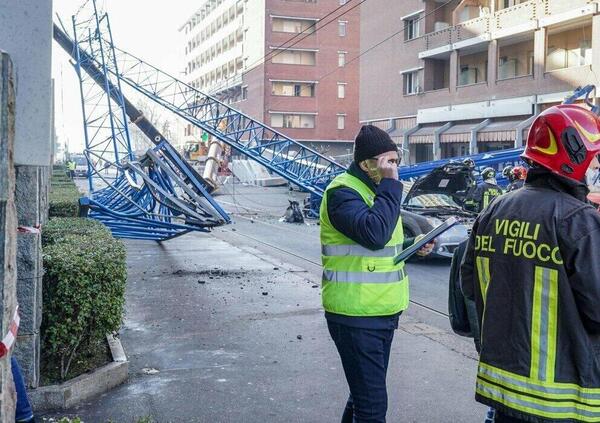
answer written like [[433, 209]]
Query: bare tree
[[161, 120]]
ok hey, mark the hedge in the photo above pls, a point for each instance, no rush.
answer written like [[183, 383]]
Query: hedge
[[83, 288], [64, 197]]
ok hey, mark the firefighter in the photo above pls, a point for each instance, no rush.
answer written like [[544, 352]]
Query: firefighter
[[363, 291], [519, 174], [507, 172], [486, 191], [532, 268]]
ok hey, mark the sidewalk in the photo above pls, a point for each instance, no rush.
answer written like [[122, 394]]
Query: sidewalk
[[220, 333]]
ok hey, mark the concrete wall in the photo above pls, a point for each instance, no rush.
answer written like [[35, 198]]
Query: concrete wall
[[31, 55], [26, 34], [8, 236]]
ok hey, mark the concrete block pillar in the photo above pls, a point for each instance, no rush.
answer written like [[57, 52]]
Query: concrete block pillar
[[29, 294], [32, 157], [32, 211], [8, 235], [492, 67], [453, 71], [539, 54]]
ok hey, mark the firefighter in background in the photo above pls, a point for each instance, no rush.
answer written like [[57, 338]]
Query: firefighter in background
[[532, 269], [507, 172], [486, 192], [519, 174]]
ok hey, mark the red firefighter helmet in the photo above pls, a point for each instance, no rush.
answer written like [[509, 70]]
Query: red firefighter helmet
[[519, 172], [564, 139]]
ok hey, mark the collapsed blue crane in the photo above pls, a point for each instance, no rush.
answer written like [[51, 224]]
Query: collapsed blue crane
[[280, 154], [156, 197]]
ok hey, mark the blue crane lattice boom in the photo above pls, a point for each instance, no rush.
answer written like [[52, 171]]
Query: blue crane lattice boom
[[295, 162], [156, 197]]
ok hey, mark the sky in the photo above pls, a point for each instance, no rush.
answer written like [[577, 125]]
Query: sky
[[145, 28]]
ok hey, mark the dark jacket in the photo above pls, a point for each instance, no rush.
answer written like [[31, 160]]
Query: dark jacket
[[482, 196], [532, 268], [519, 183], [462, 312], [370, 227]]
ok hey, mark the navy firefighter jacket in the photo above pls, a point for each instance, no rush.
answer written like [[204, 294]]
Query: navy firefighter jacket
[[532, 267]]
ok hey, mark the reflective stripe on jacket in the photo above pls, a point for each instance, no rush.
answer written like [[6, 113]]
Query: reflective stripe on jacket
[[358, 281]]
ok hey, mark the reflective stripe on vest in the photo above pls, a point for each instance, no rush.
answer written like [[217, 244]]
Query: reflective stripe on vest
[[363, 277], [356, 250]]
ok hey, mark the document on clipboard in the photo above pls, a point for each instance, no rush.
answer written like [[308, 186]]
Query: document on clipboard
[[427, 238]]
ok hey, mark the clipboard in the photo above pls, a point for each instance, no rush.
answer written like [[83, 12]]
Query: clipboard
[[427, 238]]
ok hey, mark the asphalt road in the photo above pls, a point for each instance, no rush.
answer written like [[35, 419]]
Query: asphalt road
[[256, 213], [228, 327]]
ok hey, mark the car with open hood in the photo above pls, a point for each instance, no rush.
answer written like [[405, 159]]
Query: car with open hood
[[436, 197]]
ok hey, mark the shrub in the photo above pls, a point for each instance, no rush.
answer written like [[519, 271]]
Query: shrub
[[83, 287], [60, 228], [64, 199]]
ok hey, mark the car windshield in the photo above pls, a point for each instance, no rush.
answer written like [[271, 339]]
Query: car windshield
[[80, 161], [433, 200]]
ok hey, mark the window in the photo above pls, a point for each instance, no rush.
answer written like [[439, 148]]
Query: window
[[289, 120], [411, 82], [341, 91], [436, 74], [342, 28], [472, 68], [245, 93], [341, 121], [569, 49], [515, 60], [293, 89], [411, 27], [341, 59], [294, 26], [294, 57]]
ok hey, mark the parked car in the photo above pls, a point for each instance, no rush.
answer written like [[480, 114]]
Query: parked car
[[436, 197], [81, 166]]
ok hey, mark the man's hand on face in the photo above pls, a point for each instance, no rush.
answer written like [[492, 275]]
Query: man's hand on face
[[387, 168]]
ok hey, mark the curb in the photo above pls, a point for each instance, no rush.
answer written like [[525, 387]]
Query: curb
[[86, 386]]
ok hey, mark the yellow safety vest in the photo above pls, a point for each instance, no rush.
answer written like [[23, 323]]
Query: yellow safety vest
[[358, 281]]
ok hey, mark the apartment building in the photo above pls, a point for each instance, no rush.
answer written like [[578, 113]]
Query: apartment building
[[240, 52], [469, 76]]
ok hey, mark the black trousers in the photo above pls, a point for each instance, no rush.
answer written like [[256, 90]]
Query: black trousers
[[365, 355], [503, 418]]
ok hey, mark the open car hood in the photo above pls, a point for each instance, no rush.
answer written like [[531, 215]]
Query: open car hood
[[452, 179]]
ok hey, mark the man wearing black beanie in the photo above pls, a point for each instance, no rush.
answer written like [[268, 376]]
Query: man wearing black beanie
[[363, 291]]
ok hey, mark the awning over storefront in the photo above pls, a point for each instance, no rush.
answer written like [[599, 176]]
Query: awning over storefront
[[488, 130], [424, 135], [499, 131], [397, 133], [458, 133]]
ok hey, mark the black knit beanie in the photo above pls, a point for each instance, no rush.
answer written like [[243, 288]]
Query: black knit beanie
[[370, 142]]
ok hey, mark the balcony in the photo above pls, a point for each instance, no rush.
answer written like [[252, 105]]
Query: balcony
[[521, 18], [517, 18]]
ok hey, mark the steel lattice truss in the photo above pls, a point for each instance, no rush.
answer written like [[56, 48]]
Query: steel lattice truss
[[277, 152], [158, 196], [295, 162], [104, 118]]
